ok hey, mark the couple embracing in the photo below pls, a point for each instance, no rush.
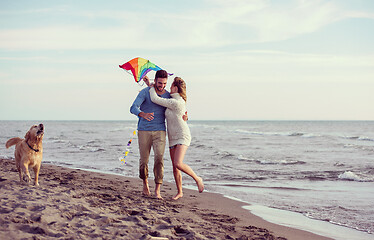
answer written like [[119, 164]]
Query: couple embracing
[[152, 105]]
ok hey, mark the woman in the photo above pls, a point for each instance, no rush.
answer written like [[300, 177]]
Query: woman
[[178, 132]]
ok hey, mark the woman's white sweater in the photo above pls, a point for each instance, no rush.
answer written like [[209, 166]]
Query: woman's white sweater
[[177, 128]]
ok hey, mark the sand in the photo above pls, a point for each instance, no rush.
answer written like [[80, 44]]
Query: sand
[[77, 204]]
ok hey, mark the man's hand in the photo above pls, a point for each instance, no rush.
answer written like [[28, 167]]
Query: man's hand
[[146, 116], [185, 117]]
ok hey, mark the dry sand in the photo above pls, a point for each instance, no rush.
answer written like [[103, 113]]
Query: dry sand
[[77, 204]]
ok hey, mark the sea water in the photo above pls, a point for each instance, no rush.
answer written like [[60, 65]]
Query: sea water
[[323, 170]]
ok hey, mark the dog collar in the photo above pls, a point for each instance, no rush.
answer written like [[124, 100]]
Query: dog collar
[[35, 150]]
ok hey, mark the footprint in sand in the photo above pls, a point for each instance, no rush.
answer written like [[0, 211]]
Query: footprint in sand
[[38, 208], [32, 230], [178, 230], [5, 210]]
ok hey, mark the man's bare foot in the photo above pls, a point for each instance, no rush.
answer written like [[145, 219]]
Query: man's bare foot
[[146, 191], [200, 185], [179, 195], [158, 191]]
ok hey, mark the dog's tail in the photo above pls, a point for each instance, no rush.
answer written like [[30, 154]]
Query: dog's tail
[[13, 141]]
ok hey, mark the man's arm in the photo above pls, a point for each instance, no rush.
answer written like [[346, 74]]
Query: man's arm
[[135, 107]]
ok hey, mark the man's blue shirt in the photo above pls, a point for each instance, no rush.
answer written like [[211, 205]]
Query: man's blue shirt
[[143, 103]]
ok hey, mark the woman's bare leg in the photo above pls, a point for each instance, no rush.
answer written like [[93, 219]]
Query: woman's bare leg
[[177, 176], [178, 156]]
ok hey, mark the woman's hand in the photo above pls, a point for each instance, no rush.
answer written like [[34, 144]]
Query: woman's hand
[[146, 80], [185, 117]]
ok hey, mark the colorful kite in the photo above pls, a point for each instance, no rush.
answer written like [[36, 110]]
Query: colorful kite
[[140, 67], [128, 149]]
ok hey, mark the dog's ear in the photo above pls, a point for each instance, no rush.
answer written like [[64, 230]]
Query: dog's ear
[[27, 136]]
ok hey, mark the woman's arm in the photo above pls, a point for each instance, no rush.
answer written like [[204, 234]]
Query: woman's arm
[[165, 102]]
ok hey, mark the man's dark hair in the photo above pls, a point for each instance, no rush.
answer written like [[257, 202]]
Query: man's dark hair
[[161, 74]]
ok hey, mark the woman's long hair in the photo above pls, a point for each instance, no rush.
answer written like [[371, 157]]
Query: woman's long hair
[[181, 85]]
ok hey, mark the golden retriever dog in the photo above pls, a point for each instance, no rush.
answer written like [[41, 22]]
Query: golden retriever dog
[[28, 152]]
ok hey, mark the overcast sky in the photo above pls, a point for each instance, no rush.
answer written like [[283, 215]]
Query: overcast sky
[[241, 59]]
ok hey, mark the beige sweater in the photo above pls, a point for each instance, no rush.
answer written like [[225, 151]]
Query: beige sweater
[[177, 128]]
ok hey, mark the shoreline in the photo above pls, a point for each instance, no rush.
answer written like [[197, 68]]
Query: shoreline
[[74, 203], [299, 221]]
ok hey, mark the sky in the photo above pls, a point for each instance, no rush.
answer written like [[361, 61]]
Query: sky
[[241, 59]]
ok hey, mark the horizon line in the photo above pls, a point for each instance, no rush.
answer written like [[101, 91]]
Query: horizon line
[[135, 120]]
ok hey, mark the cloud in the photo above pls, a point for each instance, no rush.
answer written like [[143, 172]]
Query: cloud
[[222, 23], [210, 25], [274, 22]]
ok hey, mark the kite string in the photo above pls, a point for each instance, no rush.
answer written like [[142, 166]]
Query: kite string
[[128, 148], [140, 83]]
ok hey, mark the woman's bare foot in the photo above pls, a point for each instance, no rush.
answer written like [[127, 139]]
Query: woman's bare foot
[[200, 185], [158, 196], [179, 195]]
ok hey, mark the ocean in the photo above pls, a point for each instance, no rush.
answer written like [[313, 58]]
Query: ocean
[[322, 170]]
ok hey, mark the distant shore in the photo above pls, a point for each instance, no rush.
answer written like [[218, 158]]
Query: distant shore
[[77, 204]]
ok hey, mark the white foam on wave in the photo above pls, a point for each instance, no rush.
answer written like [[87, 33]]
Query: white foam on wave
[[280, 134], [366, 139], [351, 176], [360, 138], [6, 157]]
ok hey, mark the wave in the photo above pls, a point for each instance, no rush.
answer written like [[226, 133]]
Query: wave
[[333, 175], [296, 134], [271, 161], [225, 154], [359, 147], [198, 145], [305, 135], [97, 150], [234, 181], [313, 178], [280, 134], [256, 186], [85, 131], [56, 141], [359, 138], [124, 129], [366, 139], [6, 157], [280, 162], [351, 176]]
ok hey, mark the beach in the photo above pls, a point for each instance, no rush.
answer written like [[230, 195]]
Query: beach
[[78, 204]]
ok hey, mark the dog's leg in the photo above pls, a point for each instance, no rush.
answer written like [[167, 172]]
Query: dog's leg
[[26, 175], [19, 171], [36, 171], [20, 175]]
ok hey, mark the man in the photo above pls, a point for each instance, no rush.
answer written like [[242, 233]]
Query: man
[[151, 131]]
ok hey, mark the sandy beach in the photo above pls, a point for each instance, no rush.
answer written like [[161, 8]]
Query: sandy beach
[[77, 204]]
